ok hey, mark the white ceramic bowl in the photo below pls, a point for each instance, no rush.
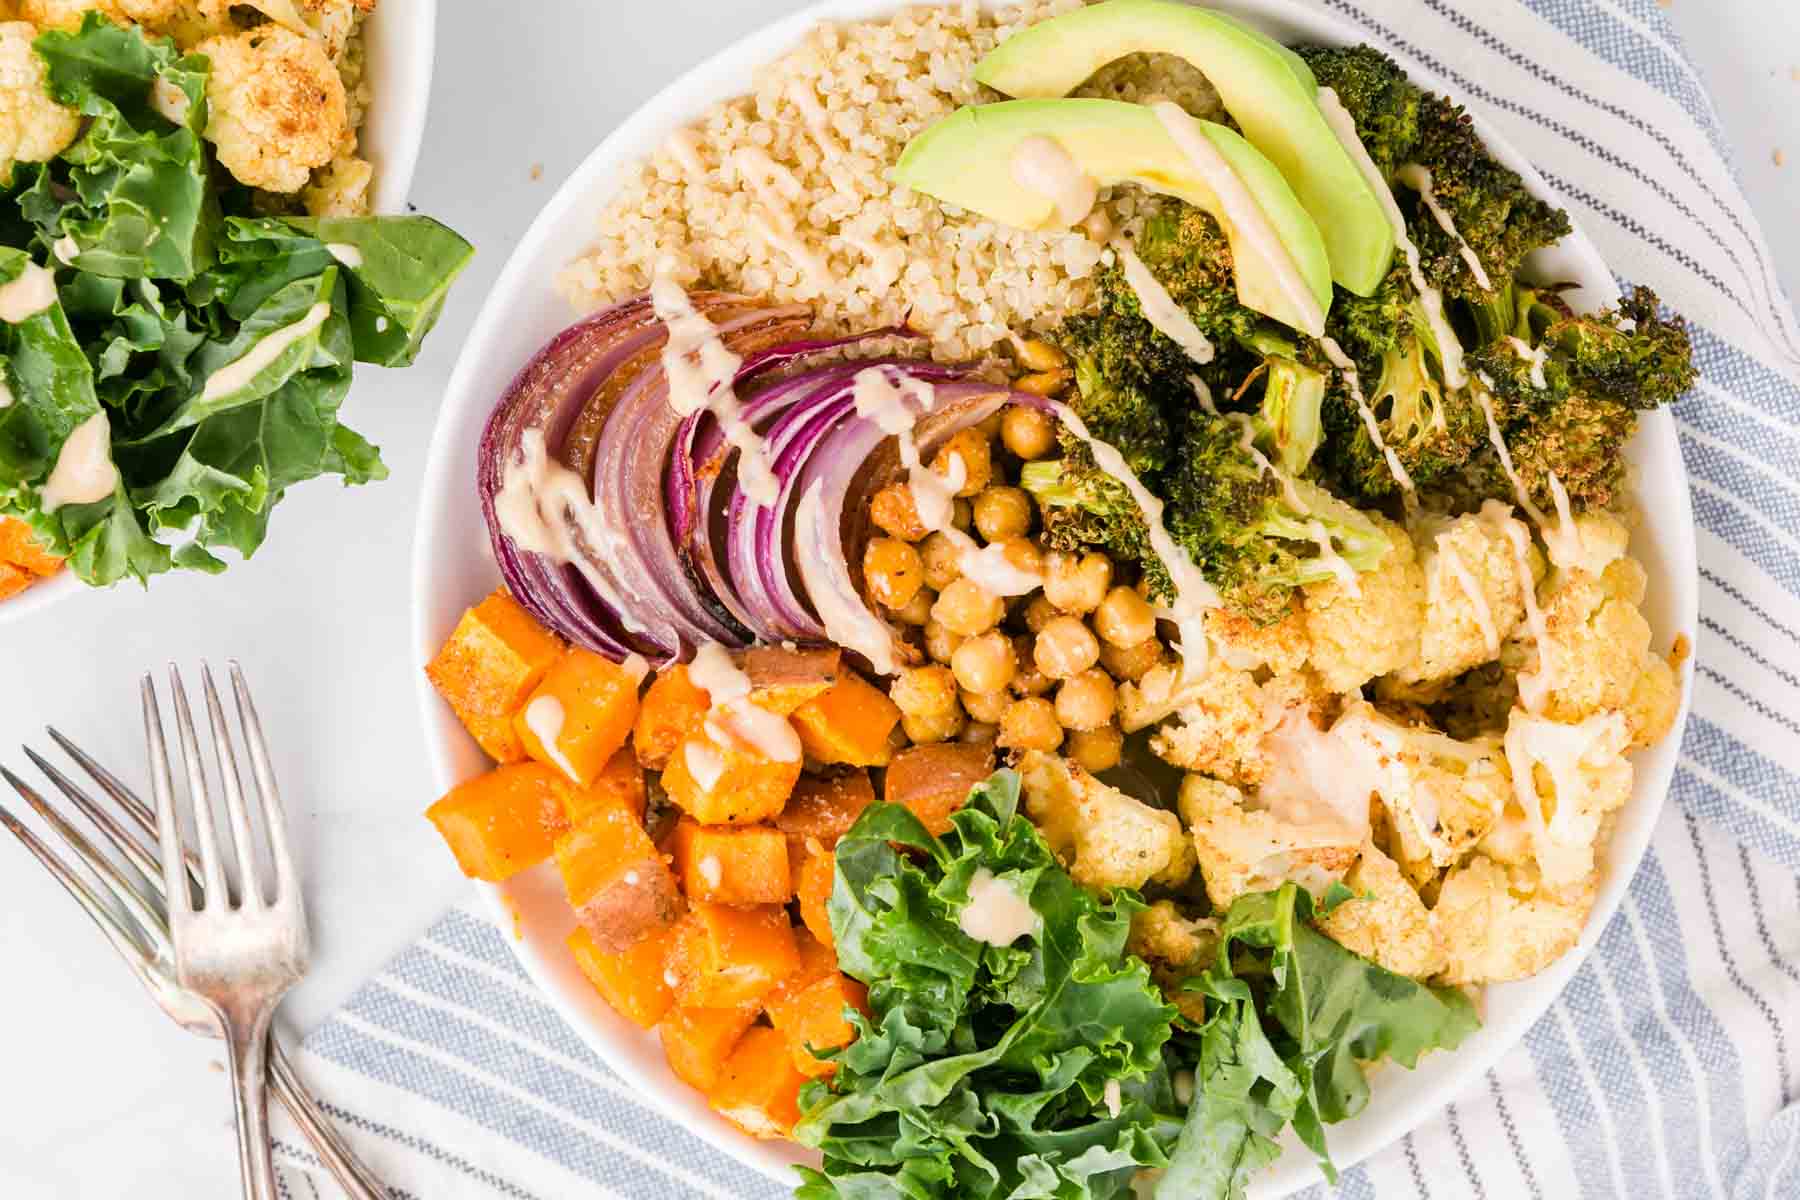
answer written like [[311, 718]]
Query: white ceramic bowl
[[401, 45], [452, 568]]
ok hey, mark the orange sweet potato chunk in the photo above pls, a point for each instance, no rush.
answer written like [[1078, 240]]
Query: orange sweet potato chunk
[[850, 722], [620, 782], [580, 714], [20, 548], [14, 580], [814, 888], [497, 654], [723, 957], [727, 785], [672, 708], [825, 807], [632, 980], [781, 680], [729, 864], [617, 881], [500, 823], [697, 1041], [759, 1089], [934, 781], [814, 1016]]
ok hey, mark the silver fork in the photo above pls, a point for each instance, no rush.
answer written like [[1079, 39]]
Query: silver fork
[[241, 960], [130, 913]]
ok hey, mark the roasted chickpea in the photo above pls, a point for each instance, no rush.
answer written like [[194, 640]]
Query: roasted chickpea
[[895, 514], [989, 427], [980, 731], [970, 445], [1086, 701], [986, 706], [985, 663], [962, 514], [1036, 354], [1038, 612], [1030, 724], [925, 691], [1076, 583], [1024, 555], [1130, 662], [1065, 647], [893, 571], [1029, 681], [1044, 383], [967, 608], [1002, 512], [938, 727], [1027, 432], [1125, 618], [940, 643], [916, 611], [942, 560], [1097, 750]]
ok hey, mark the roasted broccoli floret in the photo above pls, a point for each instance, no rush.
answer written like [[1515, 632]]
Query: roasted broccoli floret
[[1289, 423], [1189, 254], [1377, 94], [1630, 353], [1084, 508], [1123, 371]]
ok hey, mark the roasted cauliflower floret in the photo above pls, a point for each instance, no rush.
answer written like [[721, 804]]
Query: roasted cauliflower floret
[[1176, 949], [1499, 924], [276, 106], [1442, 796], [1566, 780], [1243, 849], [184, 20], [1279, 646], [33, 127], [1108, 838], [1219, 722], [1386, 921], [341, 189], [1357, 633], [1473, 593]]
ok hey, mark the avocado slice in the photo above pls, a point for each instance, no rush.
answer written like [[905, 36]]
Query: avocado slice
[[966, 159], [1265, 87]]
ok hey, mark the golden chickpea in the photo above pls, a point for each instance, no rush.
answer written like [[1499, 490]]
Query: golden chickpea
[[1086, 701], [893, 571], [940, 727], [980, 731], [1027, 432], [942, 559], [1038, 613], [916, 611], [962, 514], [989, 427], [940, 643], [1044, 383], [895, 514], [1029, 681], [1125, 618], [1036, 354], [986, 706], [1002, 512], [1024, 555], [1065, 647], [984, 663], [925, 691], [1030, 724], [1076, 583], [970, 445], [1097, 750], [967, 608], [1130, 662]]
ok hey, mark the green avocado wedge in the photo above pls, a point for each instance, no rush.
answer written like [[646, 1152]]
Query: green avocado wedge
[[966, 160], [1262, 84]]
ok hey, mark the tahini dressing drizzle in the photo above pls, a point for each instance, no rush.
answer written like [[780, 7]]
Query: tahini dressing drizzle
[[28, 295], [1165, 316], [732, 717], [238, 374], [1347, 367], [1039, 164], [1418, 179], [995, 913], [84, 471]]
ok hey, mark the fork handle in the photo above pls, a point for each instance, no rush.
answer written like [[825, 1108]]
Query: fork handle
[[247, 1049], [358, 1182]]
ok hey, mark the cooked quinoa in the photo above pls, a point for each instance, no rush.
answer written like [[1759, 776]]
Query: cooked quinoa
[[784, 192]]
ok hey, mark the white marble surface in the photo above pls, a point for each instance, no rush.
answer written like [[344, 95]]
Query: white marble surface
[[99, 1096]]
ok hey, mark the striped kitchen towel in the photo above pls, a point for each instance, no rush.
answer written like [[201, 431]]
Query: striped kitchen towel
[[1671, 1066]]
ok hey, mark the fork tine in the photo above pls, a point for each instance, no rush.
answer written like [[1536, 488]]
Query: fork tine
[[162, 788], [212, 866], [142, 909], [250, 890], [110, 923], [116, 834], [136, 809], [274, 817]]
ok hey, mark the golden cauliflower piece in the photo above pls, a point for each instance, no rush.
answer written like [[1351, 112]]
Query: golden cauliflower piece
[[1176, 949], [1386, 922], [33, 127], [1243, 849], [276, 106], [341, 189], [1499, 925], [1280, 646], [1473, 595], [1356, 634], [1566, 780], [185, 20], [1108, 839], [1219, 725]]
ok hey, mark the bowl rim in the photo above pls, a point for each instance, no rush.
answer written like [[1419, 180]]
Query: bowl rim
[[394, 129], [586, 189]]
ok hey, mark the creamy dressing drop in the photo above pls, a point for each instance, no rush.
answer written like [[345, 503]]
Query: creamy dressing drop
[[989, 567], [1039, 164], [544, 717], [847, 620], [1334, 562], [1472, 591], [1344, 364], [731, 716], [1534, 686], [28, 295], [1245, 216], [704, 763], [66, 249], [84, 472], [1418, 179], [636, 666], [995, 913], [345, 253], [1535, 355], [238, 374], [1165, 316]]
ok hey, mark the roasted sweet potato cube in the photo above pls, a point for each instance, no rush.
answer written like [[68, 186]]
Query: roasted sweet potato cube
[[502, 822], [672, 708], [697, 1041], [730, 864], [826, 806], [632, 981], [727, 784], [14, 580], [781, 680], [580, 714], [817, 960], [19, 547], [497, 654], [722, 957], [850, 722], [814, 1016], [620, 782], [814, 889], [934, 781], [618, 882], [759, 1089]]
